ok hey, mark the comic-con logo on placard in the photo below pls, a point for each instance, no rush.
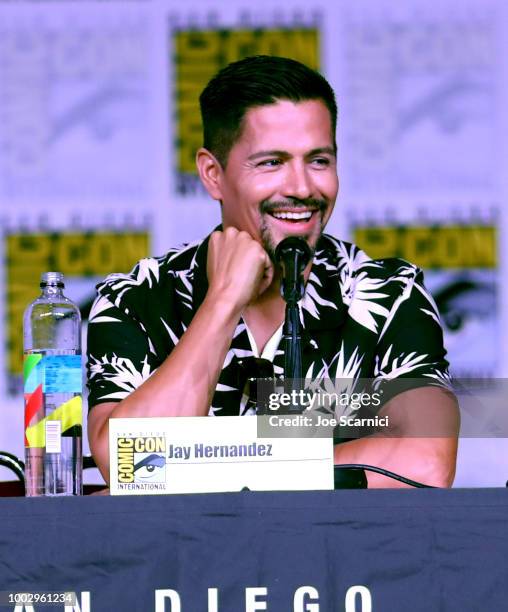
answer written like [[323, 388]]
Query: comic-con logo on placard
[[141, 460]]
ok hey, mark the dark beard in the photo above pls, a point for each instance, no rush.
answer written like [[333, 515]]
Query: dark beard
[[268, 206]]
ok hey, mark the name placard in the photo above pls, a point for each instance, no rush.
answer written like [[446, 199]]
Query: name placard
[[209, 455]]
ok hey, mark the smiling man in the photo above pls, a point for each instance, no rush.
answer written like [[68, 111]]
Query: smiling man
[[176, 336], [280, 178]]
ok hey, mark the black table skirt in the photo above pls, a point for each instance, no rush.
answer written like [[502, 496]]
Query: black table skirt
[[417, 550]]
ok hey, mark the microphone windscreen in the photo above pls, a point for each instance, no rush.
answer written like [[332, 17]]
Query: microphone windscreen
[[293, 244]]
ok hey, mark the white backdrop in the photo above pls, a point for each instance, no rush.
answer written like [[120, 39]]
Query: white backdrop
[[99, 124]]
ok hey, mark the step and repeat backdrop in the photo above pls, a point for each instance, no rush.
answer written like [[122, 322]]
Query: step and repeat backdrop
[[100, 124]]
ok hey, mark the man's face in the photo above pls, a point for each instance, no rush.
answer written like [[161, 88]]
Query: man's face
[[281, 177]]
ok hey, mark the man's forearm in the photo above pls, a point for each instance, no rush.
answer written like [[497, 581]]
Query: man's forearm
[[430, 461], [184, 383], [420, 442]]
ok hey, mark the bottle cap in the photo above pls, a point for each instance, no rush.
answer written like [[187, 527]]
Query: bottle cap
[[53, 279]]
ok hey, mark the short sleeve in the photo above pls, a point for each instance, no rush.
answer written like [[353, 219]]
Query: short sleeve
[[120, 358], [410, 352]]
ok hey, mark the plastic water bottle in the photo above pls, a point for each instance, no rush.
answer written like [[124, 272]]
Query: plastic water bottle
[[52, 378]]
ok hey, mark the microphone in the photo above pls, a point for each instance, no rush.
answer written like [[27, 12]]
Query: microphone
[[292, 254]]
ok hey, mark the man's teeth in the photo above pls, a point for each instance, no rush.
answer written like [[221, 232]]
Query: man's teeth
[[299, 216]]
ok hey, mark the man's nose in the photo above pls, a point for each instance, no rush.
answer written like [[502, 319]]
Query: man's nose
[[298, 182]]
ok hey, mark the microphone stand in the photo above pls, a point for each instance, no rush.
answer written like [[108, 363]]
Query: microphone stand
[[292, 290], [292, 337]]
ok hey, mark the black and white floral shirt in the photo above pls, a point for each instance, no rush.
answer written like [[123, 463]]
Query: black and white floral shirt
[[361, 318]]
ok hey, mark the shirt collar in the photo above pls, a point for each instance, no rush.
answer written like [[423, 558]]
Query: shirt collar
[[322, 304]]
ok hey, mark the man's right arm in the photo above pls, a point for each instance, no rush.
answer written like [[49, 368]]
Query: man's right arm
[[238, 270]]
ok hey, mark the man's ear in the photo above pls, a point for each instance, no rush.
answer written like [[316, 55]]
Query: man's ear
[[210, 172]]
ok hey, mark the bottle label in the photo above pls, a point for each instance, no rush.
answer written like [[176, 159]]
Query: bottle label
[[68, 415], [32, 372], [45, 374], [53, 436], [56, 373], [62, 374]]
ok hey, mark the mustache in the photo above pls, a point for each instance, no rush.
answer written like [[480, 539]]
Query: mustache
[[268, 206]]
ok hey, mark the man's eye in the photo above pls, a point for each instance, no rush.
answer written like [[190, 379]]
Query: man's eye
[[270, 163], [321, 161]]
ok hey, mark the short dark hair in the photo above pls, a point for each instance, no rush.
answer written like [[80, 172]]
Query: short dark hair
[[256, 81]]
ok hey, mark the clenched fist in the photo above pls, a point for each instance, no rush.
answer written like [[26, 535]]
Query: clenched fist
[[238, 267]]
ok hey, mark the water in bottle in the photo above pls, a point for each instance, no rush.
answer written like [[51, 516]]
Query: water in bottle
[[52, 377]]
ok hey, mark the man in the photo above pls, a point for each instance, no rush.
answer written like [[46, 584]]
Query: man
[[170, 338]]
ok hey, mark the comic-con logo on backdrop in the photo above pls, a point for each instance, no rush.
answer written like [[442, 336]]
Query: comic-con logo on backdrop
[[84, 257], [460, 265], [198, 54]]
